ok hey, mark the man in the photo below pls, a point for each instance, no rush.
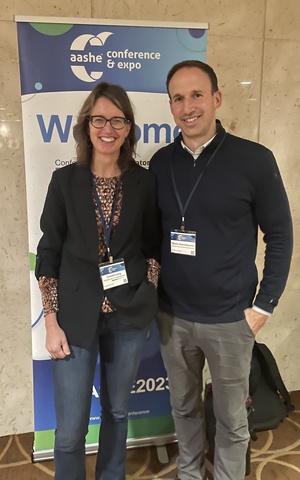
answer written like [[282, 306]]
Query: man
[[214, 191]]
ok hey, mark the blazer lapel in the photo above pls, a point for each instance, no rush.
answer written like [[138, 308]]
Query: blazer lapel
[[85, 210], [130, 200]]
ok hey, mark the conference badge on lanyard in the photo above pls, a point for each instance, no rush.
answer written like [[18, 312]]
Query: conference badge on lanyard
[[183, 242], [113, 274]]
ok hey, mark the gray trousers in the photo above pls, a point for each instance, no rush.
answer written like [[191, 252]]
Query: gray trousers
[[228, 349]]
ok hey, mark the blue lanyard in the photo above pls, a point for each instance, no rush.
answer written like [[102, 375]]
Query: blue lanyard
[[183, 208], [106, 230]]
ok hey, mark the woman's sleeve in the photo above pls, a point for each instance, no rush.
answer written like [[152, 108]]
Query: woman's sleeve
[[153, 271], [151, 224], [48, 289], [152, 235], [54, 227]]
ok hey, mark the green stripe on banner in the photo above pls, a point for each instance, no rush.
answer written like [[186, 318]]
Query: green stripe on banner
[[44, 440], [148, 427], [139, 428]]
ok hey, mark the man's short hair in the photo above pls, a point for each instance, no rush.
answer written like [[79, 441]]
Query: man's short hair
[[197, 64]]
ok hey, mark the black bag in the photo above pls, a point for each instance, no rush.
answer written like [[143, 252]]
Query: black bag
[[270, 399]]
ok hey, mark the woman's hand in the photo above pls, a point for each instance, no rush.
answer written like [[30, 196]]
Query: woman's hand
[[56, 340]]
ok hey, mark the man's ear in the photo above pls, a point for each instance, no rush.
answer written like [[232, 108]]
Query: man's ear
[[218, 99]]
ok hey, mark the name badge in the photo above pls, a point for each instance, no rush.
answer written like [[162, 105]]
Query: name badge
[[113, 274], [183, 242]]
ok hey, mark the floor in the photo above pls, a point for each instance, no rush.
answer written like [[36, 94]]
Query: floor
[[275, 455]]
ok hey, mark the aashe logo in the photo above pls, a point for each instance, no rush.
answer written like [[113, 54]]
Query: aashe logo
[[83, 52]]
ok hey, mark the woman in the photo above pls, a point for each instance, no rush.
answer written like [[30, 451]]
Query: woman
[[97, 271]]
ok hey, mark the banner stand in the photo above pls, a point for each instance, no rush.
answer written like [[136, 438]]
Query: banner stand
[[61, 60]]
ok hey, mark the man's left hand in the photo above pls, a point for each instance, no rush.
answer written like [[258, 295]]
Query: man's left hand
[[256, 320]]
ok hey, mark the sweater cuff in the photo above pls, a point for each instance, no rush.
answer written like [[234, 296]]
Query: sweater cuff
[[265, 302], [260, 310]]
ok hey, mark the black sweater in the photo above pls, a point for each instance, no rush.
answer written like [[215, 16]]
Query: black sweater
[[241, 189]]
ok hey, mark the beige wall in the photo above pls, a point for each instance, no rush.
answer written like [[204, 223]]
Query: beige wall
[[258, 41]]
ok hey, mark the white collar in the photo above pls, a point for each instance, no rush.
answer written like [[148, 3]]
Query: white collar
[[198, 150]]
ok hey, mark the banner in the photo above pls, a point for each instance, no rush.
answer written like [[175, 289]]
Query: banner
[[61, 60]]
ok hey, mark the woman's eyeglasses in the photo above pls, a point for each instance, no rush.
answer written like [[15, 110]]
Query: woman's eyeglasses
[[116, 122]]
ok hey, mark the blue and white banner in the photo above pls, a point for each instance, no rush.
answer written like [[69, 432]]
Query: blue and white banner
[[61, 60]]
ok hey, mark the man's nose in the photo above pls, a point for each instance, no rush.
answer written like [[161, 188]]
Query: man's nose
[[188, 105]]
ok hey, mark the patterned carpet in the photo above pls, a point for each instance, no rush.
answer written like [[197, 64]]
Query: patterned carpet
[[274, 456]]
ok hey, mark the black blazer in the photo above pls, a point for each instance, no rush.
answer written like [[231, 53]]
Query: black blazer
[[68, 250]]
